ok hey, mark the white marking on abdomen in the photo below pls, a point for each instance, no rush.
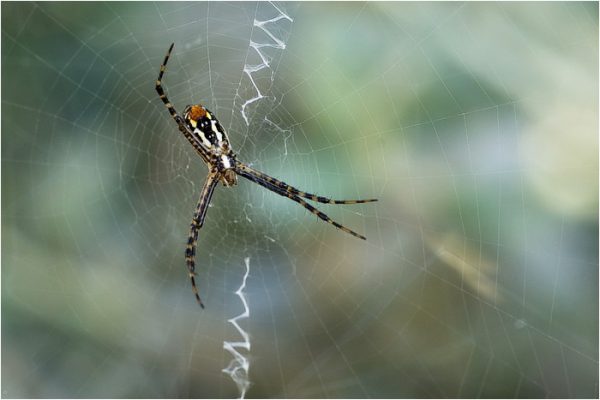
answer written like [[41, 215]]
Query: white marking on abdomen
[[226, 162], [216, 131], [206, 142]]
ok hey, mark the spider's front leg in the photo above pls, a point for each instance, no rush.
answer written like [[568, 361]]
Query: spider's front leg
[[289, 192], [197, 221], [290, 189]]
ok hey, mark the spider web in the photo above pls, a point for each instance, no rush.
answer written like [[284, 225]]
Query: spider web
[[474, 124]]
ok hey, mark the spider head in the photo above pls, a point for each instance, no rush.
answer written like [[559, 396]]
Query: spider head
[[229, 178]]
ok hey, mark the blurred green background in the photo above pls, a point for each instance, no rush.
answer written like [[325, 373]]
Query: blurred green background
[[475, 124]]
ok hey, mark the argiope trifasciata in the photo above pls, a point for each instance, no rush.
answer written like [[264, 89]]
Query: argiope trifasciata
[[202, 129]]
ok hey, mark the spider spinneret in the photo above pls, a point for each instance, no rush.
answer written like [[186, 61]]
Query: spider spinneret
[[204, 132]]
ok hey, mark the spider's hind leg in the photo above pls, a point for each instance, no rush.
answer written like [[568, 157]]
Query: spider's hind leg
[[160, 90]]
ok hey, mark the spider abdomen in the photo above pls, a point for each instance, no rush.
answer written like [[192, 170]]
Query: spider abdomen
[[212, 136], [206, 128]]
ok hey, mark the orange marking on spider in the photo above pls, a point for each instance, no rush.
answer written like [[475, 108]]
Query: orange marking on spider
[[197, 112]]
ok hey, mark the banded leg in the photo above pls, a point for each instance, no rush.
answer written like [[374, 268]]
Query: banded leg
[[197, 221], [159, 88], [298, 200], [183, 128], [284, 186]]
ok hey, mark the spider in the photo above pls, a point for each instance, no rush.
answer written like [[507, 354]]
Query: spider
[[203, 130]]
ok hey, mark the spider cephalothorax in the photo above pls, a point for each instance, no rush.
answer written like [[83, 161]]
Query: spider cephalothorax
[[202, 129]]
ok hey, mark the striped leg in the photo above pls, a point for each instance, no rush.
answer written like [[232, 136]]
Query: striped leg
[[182, 126], [290, 189], [297, 199], [190, 252], [160, 90]]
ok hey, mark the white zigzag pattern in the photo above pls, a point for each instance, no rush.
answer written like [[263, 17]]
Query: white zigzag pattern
[[265, 62], [239, 366]]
